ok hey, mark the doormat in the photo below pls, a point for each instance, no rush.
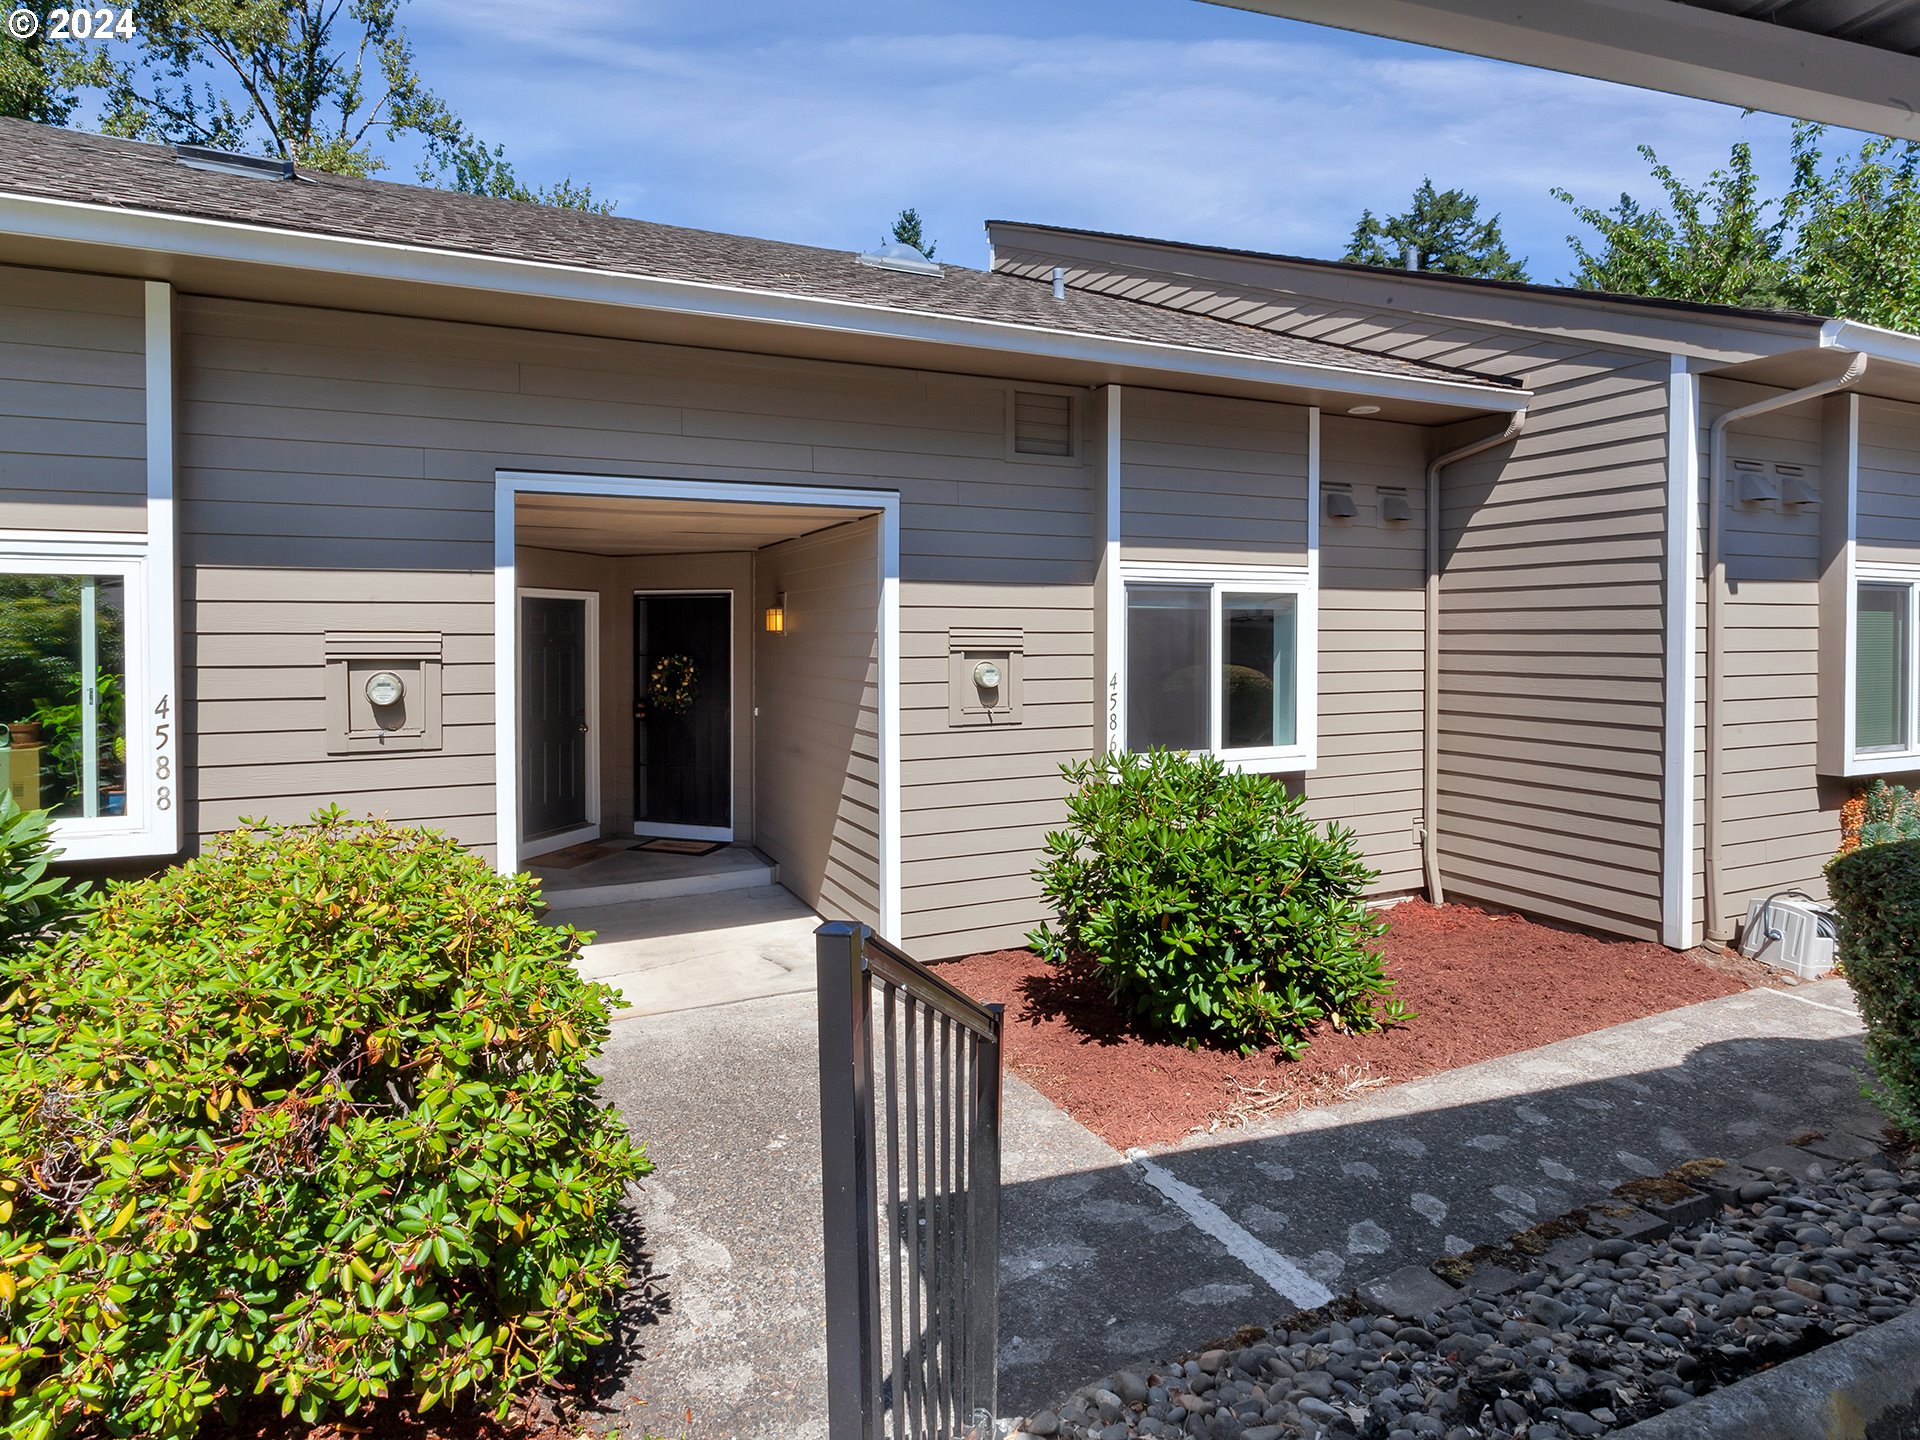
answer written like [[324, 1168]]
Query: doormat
[[665, 846]]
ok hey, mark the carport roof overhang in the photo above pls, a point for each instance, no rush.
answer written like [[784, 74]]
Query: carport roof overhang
[[1843, 62], [231, 259]]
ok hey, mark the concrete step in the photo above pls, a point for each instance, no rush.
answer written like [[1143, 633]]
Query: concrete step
[[691, 951], [735, 869]]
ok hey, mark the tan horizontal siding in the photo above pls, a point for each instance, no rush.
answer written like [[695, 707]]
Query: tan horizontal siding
[[1888, 515], [72, 402], [1552, 669], [1372, 628], [1212, 479], [340, 468]]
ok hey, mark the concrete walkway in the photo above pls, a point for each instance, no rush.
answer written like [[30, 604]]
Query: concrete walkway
[[1108, 1259], [691, 951]]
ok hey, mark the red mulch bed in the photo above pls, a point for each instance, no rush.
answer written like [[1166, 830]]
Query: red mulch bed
[[1483, 985]]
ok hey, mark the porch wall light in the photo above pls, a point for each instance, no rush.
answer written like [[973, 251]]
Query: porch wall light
[[777, 615]]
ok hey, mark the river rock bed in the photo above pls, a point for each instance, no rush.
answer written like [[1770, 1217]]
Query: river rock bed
[[1620, 1329]]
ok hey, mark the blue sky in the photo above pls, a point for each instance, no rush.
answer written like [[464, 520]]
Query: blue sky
[[816, 121]]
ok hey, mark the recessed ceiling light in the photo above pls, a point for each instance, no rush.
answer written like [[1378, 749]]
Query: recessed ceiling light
[[1364, 410]]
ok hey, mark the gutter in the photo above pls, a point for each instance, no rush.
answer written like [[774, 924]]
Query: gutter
[[149, 232], [1430, 720], [1717, 930]]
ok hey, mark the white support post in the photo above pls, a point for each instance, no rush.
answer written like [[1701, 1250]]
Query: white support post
[[1683, 664]]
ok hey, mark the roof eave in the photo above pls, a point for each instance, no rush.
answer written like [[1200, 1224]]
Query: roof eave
[[202, 238]]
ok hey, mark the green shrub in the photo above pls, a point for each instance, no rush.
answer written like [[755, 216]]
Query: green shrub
[[308, 1115], [1215, 909], [1876, 889], [1889, 813], [33, 904]]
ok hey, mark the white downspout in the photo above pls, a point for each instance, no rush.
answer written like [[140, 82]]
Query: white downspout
[[1716, 926], [1430, 736]]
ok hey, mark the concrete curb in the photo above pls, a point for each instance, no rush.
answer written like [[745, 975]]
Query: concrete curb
[[1865, 1387]]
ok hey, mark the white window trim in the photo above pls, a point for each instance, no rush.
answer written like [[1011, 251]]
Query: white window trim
[[1296, 580], [154, 824], [1879, 760], [153, 799]]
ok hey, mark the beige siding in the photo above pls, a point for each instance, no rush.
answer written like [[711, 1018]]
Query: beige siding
[[1372, 639], [1888, 518], [1551, 666], [1780, 820], [1552, 675], [817, 749], [330, 459], [72, 402], [1780, 813], [1212, 479]]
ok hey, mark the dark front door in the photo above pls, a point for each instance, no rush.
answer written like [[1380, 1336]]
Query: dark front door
[[554, 724], [683, 712]]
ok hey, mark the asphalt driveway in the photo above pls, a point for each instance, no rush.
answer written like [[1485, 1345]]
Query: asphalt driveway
[[1109, 1259]]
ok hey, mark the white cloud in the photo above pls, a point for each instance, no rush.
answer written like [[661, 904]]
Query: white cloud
[[1233, 129]]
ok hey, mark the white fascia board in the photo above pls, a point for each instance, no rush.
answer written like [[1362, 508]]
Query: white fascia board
[[1894, 346], [75, 222], [1655, 44]]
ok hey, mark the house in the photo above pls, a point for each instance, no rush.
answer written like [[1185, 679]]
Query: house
[[537, 526]]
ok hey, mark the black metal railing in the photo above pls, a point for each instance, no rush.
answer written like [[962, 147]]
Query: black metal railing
[[910, 1155]]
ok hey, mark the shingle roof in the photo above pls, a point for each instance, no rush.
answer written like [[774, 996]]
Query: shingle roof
[[1437, 277], [71, 165]]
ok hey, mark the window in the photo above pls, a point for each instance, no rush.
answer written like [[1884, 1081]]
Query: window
[[85, 693], [1214, 662], [1882, 667], [63, 689]]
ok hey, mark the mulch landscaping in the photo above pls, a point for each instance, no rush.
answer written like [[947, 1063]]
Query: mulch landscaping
[[1482, 984]]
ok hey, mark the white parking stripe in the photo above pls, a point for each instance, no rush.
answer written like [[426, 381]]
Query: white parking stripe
[[1287, 1279], [1817, 1004]]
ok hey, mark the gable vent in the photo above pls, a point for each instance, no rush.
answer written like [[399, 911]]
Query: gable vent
[[1042, 424], [227, 162]]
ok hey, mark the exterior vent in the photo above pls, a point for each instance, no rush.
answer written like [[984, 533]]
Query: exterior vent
[[1043, 424], [226, 162], [898, 255]]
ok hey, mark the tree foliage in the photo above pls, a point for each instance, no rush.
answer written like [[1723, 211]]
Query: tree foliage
[[319, 82], [1840, 240], [1442, 231], [908, 230], [40, 79]]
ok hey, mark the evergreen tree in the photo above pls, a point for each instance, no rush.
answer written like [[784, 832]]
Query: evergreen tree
[[1441, 231], [908, 231]]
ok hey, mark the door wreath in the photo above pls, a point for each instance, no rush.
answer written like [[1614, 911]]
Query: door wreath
[[672, 684]]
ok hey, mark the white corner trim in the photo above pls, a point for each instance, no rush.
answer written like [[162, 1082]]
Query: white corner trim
[[151, 232], [510, 484], [1116, 589], [1683, 662], [1309, 638]]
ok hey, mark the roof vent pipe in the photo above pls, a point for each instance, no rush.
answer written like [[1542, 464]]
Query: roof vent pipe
[[1430, 720], [1717, 928], [1059, 283]]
